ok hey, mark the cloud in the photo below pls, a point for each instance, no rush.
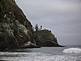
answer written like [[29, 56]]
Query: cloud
[[38, 8], [63, 17]]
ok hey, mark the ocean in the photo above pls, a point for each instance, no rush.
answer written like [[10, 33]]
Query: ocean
[[41, 54]]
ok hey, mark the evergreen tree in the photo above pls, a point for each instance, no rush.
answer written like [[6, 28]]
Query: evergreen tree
[[40, 27], [36, 27]]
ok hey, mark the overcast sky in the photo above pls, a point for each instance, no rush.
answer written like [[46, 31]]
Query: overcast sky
[[62, 17]]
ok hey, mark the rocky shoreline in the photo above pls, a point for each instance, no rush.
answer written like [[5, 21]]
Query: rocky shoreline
[[16, 31]]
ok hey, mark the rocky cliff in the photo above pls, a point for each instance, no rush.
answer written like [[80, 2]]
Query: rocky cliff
[[45, 38], [15, 29]]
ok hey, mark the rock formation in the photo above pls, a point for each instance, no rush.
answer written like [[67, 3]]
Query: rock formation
[[15, 29], [45, 38]]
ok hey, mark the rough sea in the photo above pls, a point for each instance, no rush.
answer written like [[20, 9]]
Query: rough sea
[[42, 54]]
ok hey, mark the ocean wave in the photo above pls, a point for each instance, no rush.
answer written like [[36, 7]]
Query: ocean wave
[[43, 58], [72, 50], [39, 56]]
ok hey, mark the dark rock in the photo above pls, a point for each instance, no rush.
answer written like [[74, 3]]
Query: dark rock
[[15, 29], [44, 38]]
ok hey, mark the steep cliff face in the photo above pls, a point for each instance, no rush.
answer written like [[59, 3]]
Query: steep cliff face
[[15, 29]]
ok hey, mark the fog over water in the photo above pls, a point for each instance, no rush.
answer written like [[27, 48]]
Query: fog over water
[[63, 17]]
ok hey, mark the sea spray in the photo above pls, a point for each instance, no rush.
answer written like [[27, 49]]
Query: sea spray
[[72, 50]]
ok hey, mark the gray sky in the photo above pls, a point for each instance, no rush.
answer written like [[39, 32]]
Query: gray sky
[[63, 17]]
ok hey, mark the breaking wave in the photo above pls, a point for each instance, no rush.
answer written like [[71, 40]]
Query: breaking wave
[[72, 50], [37, 56]]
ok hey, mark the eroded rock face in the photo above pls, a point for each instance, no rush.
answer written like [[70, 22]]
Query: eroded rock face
[[15, 29]]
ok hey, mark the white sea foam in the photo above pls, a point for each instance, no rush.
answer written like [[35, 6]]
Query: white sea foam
[[39, 57], [72, 50], [43, 58]]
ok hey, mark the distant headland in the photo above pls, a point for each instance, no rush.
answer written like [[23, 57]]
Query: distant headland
[[17, 32]]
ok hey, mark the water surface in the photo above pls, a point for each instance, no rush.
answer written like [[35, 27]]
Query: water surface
[[40, 54]]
